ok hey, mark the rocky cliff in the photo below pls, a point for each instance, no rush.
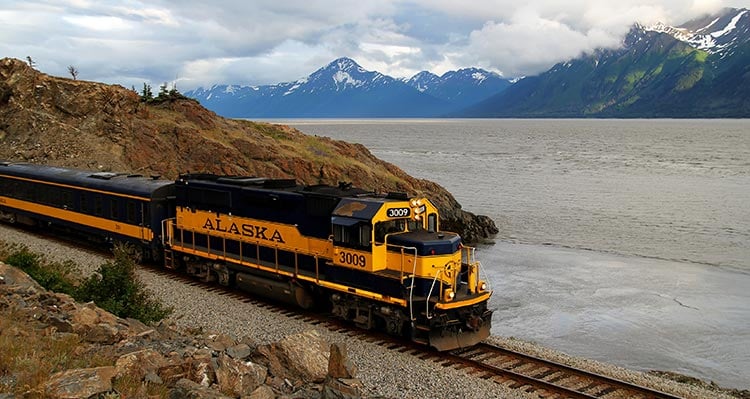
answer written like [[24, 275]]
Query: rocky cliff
[[88, 125]]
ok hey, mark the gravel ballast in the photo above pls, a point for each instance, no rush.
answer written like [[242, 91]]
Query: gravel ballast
[[385, 373]]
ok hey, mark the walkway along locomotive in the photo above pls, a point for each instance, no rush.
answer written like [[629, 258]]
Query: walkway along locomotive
[[379, 261]]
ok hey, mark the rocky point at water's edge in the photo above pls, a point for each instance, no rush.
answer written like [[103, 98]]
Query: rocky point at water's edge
[[94, 126]]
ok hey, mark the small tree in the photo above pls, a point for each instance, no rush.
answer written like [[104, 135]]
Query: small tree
[[163, 92], [73, 72], [146, 94], [174, 92]]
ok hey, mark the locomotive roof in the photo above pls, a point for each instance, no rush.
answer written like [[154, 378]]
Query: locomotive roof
[[121, 183], [343, 190]]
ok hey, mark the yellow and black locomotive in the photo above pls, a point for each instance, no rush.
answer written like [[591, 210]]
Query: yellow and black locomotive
[[379, 261]]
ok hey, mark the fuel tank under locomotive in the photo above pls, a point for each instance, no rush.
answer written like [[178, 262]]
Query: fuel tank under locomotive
[[284, 291]]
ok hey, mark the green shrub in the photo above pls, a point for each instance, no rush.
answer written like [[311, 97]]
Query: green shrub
[[116, 288], [53, 276]]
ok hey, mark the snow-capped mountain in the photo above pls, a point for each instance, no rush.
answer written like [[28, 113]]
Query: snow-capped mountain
[[714, 34], [462, 88], [345, 89]]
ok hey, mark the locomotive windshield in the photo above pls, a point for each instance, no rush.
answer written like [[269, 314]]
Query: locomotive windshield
[[395, 226]]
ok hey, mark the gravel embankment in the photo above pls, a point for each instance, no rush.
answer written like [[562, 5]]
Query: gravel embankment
[[384, 372]]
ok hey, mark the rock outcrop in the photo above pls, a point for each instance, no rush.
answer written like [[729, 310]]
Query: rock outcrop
[[88, 125], [163, 358]]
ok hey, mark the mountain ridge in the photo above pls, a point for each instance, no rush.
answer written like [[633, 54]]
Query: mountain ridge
[[343, 88]]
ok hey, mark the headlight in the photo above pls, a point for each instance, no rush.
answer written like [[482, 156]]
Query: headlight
[[449, 295], [482, 286]]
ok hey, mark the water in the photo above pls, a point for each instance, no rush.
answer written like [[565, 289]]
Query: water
[[626, 241]]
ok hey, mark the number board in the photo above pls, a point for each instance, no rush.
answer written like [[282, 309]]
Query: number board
[[398, 212]]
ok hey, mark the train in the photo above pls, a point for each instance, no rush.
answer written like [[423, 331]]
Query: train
[[378, 260]]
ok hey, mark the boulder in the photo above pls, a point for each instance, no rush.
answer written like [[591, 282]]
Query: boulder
[[238, 377], [12, 276], [202, 371], [139, 364], [79, 383], [102, 333], [301, 356], [339, 366], [239, 351], [220, 342], [340, 382]]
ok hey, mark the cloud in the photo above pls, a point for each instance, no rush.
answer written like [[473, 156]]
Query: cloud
[[270, 41]]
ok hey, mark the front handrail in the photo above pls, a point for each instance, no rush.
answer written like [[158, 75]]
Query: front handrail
[[427, 302]]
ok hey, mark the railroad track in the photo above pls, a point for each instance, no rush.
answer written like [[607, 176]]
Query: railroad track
[[543, 377]]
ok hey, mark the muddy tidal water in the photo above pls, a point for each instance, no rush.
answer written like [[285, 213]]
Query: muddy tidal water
[[625, 241]]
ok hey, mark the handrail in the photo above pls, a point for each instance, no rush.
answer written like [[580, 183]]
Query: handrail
[[413, 276], [163, 231], [427, 302]]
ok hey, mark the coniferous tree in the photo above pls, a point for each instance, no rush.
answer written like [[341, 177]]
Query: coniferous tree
[[146, 94]]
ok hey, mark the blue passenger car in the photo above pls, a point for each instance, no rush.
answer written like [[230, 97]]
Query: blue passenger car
[[105, 206]]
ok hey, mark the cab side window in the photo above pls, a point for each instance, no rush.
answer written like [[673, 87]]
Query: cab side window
[[356, 236]]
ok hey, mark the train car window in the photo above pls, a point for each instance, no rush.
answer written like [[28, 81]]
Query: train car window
[[43, 194], [114, 210], [131, 212], [25, 192], [8, 187], [98, 205], [67, 199], [84, 203], [432, 222], [146, 214]]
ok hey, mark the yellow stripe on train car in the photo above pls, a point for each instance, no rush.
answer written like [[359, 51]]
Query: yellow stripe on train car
[[139, 232]]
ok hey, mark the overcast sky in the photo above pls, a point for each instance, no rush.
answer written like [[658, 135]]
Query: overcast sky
[[200, 43]]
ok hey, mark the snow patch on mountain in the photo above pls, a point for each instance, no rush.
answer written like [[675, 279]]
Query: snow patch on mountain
[[344, 79], [731, 26], [717, 36], [479, 76]]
